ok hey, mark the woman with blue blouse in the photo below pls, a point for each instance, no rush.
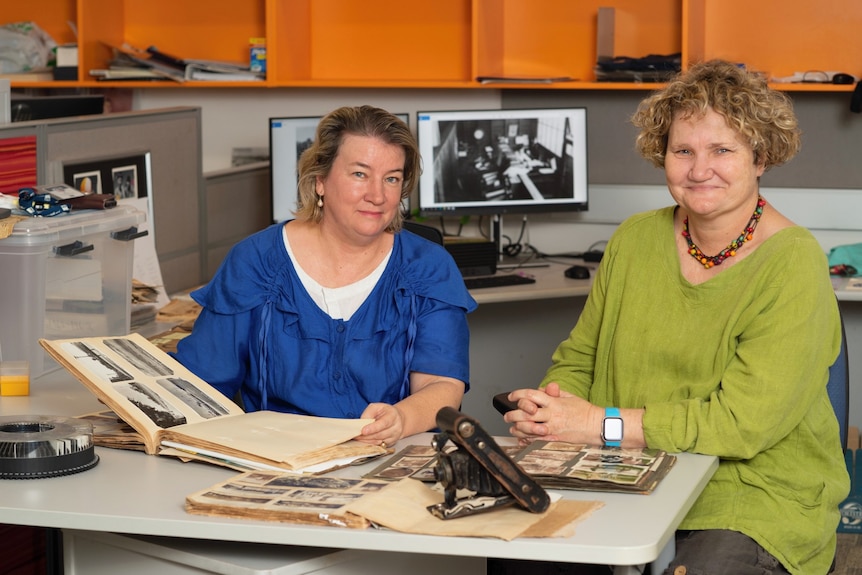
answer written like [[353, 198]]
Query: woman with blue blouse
[[338, 312]]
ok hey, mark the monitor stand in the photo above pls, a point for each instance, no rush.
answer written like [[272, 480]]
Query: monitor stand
[[496, 232], [511, 263]]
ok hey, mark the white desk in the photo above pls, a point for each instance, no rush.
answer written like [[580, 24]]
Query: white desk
[[847, 289], [129, 492], [550, 284], [514, 332]]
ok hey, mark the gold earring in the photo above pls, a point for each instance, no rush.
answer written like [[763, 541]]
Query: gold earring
[[319, 201]]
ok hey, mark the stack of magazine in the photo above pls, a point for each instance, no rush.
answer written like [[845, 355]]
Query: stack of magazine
[[131, 63]]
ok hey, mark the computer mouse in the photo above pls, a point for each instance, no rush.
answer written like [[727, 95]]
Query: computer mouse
[[578, 272], [842, 78]]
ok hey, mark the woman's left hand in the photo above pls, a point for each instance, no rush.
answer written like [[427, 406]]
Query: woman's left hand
[[387, 427]]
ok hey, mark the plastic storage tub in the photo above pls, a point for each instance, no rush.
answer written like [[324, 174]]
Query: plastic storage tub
[[63, 277]]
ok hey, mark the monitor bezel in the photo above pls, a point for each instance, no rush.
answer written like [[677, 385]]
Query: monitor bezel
[[428, 207]]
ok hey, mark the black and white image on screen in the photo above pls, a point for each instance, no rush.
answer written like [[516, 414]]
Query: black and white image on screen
[[503, 161]]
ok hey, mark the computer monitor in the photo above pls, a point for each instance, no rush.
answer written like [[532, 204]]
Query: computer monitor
[[26, 108], [503, 161], [288, 138]]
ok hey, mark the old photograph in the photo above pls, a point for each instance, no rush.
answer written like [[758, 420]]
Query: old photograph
[[125, 180], [88, 182]]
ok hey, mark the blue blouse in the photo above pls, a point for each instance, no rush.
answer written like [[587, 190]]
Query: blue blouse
[[260, 333]]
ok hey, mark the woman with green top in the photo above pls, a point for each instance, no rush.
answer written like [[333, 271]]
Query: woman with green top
[[710, 329]]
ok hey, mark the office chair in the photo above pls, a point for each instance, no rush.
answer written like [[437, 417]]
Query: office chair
[[838, 387], [424, 231]]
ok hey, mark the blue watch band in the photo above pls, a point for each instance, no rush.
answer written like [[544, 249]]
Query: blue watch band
[[612, 427]]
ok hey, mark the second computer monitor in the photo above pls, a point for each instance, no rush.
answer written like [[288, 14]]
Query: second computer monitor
[[503, 161]]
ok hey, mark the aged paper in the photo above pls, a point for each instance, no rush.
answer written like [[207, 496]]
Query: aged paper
[[402, 506]]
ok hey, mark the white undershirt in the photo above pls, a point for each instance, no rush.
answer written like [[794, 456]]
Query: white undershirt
[[342, 302]]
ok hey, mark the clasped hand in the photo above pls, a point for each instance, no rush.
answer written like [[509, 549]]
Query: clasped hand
[[551, 414]]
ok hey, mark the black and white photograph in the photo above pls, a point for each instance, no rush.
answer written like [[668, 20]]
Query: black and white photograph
[[512, 159], [502, 161], [126, 177], [97, 362], [138, 357], [285, 497], [125, 180], [416, 461], [189, 394], [151, 404]]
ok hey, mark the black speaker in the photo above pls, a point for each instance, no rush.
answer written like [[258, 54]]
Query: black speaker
[[856, 99], [473, 258]]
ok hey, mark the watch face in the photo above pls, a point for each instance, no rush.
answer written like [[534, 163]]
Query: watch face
[[612, 429]]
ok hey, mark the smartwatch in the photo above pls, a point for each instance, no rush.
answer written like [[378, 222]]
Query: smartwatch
[[612, 427]]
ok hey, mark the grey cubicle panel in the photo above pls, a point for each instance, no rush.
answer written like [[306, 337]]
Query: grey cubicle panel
[[238, 203], [171, 137], [831, 137]]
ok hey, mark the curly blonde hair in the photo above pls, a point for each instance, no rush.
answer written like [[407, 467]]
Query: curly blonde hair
[[762, 116], [316, 161]]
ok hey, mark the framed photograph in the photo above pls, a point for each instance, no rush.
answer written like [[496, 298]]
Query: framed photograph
[[127, 177], [87, 182]]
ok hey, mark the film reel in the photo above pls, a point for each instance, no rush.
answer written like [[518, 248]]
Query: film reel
[[35, 446]]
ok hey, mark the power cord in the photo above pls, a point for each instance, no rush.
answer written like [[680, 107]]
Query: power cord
[[513, 249]]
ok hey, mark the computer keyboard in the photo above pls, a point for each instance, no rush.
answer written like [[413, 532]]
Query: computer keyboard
[[497, 281]]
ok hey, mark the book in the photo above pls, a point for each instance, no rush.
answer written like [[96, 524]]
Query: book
[[170, 407], [356, 503], [204, 70], [273, 496], [554, 464], [121, 71], [524, 79]]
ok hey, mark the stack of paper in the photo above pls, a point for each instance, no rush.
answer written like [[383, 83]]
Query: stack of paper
[[130, 63]]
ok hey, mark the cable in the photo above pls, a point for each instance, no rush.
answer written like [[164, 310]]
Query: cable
[[443, 228], [513, 249]]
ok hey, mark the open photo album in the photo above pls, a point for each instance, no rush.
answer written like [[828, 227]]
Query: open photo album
[[176, 413], [555, 464]]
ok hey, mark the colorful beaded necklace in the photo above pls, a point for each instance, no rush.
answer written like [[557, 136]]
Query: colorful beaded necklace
[[729, 251]]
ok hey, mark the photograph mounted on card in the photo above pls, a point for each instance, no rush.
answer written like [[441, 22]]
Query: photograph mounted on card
[[125, 180], [88, 182], [125, 177]]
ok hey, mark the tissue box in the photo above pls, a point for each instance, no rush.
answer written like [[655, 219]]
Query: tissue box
[[63, 277]]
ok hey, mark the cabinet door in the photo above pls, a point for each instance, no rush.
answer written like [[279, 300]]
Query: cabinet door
[[374, 42], [777, 37], [557, 38]]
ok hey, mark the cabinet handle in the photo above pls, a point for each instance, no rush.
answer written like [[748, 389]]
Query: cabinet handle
[[73, 249], [129, 234]]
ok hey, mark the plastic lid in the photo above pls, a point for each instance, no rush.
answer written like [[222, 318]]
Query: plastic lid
[[40, 230]]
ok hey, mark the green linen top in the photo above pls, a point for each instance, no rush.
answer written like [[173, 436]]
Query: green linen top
[[734, 367]]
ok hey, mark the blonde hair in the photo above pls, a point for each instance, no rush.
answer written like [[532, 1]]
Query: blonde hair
[[316, 162], [762, 116]]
